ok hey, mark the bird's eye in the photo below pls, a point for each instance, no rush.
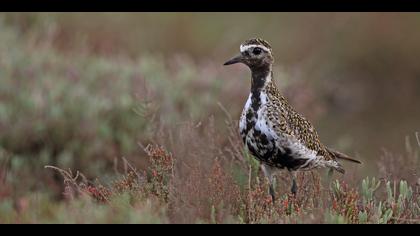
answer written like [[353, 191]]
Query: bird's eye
[[256, 51]]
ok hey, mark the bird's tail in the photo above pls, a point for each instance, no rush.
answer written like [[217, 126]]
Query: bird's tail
[[342, 156]]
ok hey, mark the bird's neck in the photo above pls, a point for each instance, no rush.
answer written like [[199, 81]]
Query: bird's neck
[[261, 78]]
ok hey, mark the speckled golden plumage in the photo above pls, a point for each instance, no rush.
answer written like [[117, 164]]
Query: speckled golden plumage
[[271, 129]]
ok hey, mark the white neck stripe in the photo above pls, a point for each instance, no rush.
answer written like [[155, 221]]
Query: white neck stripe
[[246, 47]]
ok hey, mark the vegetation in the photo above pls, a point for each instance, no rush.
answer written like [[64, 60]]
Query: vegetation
[[101, 131]]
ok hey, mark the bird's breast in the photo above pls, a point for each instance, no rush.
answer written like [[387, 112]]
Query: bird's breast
[[268, 144], [255, 129]]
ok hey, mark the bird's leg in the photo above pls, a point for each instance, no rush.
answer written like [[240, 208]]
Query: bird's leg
[[269, 174], [294, 185], [271, 191]]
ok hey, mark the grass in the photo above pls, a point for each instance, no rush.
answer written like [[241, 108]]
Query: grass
[[157, 195], [91, 137]]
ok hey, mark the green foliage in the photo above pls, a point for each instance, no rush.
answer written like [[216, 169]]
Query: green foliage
[[68, 111], [368, 189], [331, 218], [337, 188], [83, 111], [403, 201], [383, 214], [363, 217]]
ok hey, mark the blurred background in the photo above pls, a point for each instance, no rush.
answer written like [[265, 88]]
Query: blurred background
[[82, 90]]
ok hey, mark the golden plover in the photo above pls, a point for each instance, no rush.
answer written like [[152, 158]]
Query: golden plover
[[271, 129]]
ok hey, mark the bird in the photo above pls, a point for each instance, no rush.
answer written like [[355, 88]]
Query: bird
[[272, 130]]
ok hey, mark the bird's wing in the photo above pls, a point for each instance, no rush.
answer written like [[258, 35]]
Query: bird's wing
[[304, 131], [288, 121]]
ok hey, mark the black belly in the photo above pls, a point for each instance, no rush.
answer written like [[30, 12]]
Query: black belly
[[264, 149]]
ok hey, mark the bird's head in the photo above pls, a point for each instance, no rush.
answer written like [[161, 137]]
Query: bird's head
[[255, 53]]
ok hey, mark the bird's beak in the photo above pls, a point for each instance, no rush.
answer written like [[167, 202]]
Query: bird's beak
[[236, 59]]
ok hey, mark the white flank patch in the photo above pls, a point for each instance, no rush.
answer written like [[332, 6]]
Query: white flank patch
[[242, 121], [243, 48], [299, 150]]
